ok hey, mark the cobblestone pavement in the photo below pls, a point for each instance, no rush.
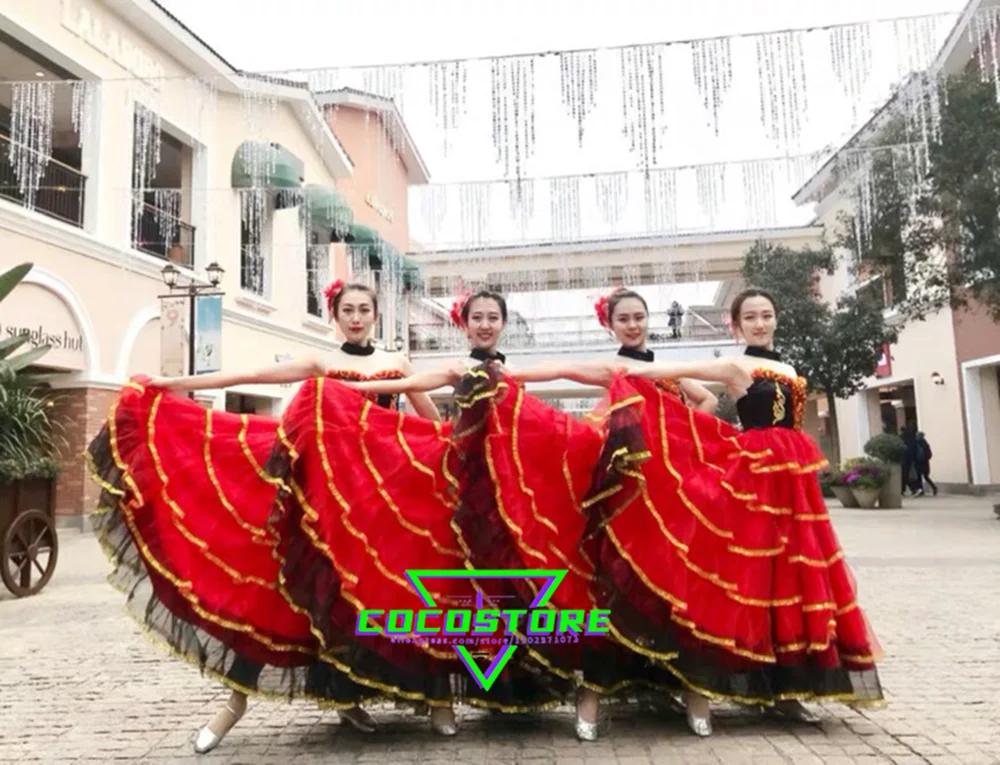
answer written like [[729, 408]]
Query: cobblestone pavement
[[79, 683]]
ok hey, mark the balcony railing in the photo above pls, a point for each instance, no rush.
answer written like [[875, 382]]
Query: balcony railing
[[59, 193], [156, 232], [253, 264], [561, 333]]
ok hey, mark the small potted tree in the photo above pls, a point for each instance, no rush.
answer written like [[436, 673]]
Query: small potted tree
[[866, 477], [889, 449]]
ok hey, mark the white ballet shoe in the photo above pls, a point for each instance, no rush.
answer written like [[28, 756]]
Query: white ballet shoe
[[700, 724], [223, 722], [443, 721]]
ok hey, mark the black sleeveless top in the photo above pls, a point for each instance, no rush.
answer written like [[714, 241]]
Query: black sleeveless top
[[770, 402]]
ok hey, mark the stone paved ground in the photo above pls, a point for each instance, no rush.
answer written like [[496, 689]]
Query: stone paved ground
[[79, 684]]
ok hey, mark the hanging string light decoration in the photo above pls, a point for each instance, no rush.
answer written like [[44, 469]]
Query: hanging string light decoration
[[260, 110], [851, 56], [521, 203], [919, 97], [512, 87], [578, 86], [82, 109], [564, 203], [146, 147], [985, 33], [474, 202], [448, 83], [433, 209], [31, 135], [644, 113], [784, 102], [712, 63], [612, 198], [660, 191], [385, 81], [631, 275], [710, 184], [759, 193]]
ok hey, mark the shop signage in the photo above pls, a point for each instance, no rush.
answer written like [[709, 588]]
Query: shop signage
[[373, 202], [36, 313], [174, 336], [42, 335], [96, 31], [208, 334]]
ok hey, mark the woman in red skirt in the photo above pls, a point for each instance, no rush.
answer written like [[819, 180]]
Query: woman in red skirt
[[719, 563], [211, 520]]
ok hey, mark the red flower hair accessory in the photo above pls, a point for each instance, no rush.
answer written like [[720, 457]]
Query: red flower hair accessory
[[330, 293], [601, 308], [456, 308]]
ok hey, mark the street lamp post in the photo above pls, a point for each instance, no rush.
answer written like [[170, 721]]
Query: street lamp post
[[192, 290]]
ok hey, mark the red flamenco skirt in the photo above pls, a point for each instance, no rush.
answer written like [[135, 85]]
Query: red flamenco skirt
[[524, 469], [183, 517], [368, 499], [720, 564]]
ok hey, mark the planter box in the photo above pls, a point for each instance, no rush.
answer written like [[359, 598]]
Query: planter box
[[845, 495], [867, 498], [891, 495]]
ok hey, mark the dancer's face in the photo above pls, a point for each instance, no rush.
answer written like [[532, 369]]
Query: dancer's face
[[630, 322], [758, 320], [485, 324], [356, 315]]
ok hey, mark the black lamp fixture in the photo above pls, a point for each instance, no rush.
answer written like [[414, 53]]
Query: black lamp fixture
[[215, 272], [169, 275], [399, 343]]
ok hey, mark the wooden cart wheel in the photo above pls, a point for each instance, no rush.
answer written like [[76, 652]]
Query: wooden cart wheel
[[29, 552]]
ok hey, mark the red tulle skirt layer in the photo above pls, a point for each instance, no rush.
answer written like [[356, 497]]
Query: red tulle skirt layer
[[719, 559], [251, 548], [525, 471]]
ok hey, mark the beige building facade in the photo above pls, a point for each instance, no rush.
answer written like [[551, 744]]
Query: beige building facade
[[158, 151], [941, 377]]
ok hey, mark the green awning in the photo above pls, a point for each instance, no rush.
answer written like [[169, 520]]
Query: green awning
[[329, 212], [266, 165], [412, 277], [382, 256], [364, 234]]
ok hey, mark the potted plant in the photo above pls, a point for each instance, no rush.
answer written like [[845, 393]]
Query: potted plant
[[889, 449], [832, 479], [866, 477]]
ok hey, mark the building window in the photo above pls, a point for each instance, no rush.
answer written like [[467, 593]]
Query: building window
[[43, 172], [317, 276], [161, 191], [253, 260]]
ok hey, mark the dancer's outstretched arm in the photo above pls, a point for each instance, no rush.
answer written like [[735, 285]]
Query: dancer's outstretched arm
[[418, 383], [422, 403], [701, 397], [276, 374], [729, 372], [599, 373]]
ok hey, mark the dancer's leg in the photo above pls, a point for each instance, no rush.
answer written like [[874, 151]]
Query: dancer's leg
[[244, 673]]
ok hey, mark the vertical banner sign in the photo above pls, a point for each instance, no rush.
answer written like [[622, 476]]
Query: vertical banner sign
[[884, 366], [208, 334], [173, 336]]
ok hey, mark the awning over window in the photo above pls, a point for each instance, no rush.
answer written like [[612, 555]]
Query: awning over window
[[266, 165], [379, 255], [328, 212]]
